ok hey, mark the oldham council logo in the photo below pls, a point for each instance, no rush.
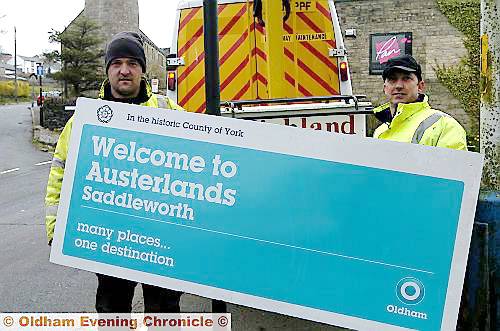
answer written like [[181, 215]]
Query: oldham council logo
[[104, 114], [410, 291]]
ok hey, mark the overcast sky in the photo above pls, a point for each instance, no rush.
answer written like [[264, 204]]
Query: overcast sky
[[35, 18]]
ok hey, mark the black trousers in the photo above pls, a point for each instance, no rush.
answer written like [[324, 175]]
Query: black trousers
[[114, 295]]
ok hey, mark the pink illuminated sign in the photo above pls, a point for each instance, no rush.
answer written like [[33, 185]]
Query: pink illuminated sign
[[384, 46]]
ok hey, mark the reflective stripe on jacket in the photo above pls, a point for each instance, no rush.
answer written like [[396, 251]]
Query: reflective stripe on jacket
[[418, 123], [59, 160]]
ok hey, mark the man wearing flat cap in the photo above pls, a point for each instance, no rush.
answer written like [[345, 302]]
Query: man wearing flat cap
[[407, 116], [125, 64]]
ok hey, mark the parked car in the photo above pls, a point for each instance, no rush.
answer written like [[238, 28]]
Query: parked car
[[47, 94], [54, 93], [40, 99]]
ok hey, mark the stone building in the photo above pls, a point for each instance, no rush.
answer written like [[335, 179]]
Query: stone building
[[116, 16], [433, 42]]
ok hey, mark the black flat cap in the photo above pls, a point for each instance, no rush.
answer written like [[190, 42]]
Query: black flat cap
[[402, 63]]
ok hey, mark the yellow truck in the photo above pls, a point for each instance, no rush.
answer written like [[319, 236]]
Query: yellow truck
[[287, 50]]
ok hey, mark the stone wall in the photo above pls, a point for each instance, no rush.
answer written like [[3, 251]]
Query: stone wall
[[113, 16], [435, 42], [156, 61], [54, 116]]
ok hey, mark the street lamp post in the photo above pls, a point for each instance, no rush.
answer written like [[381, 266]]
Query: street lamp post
[[212, 81], [211, 43], [15, 64]]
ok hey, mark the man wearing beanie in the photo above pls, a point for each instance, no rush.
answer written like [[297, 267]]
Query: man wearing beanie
[[408, 117], [125, 63]]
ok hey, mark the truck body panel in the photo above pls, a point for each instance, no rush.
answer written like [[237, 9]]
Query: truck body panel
[[309, 35]]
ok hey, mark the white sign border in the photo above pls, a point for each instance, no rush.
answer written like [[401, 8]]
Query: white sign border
[[313, 145]]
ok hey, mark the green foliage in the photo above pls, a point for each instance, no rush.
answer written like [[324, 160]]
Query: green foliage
[[462, 80], [7, 89], [80, 56]]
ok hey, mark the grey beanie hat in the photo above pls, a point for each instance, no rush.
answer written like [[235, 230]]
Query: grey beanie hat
[[125, 44]]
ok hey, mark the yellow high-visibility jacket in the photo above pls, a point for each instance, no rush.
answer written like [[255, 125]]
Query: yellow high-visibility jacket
[[418, 123], [58, 162]]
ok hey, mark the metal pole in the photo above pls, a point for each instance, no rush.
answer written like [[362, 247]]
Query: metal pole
[[32, 93], [15, 64], [41, 101], [490, 93], [212, 81], [41, 96], [211, 42]]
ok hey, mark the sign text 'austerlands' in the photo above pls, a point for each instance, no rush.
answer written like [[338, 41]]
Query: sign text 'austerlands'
[[166, 184]]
